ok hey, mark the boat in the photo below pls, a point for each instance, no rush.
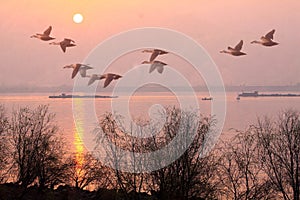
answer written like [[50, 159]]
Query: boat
[[207, 98], [256, 94], [64, 96], [248, 94]]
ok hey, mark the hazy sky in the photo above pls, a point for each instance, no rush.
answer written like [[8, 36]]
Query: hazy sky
[[214, 24]]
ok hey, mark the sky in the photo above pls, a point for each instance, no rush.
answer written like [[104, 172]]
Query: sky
[[214, 24]]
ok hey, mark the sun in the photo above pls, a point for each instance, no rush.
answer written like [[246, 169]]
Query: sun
[[78, 18]]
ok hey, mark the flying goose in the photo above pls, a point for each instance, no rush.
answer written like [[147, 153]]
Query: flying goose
[[82, 68], [155, 53], [158, 65], [236, 51], [64, 44], [266, 40], [108, 78], [44, 36]]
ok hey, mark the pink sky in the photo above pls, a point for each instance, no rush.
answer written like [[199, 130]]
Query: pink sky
[[214, 24]]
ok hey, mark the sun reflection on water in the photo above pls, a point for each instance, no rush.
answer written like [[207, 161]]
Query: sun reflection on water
[[79, 149], [78, 143]]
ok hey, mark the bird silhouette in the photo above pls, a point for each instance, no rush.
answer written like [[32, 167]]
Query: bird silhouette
[[158, 65], [108, 78], [82, 68], [44, 36], [236, 51], [64, 44], [154, 53], [266, 40]]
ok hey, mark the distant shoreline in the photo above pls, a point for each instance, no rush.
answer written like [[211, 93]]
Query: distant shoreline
[[69, 89]]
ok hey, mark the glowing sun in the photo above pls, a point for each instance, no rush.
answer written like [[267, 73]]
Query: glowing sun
[[78, 18]]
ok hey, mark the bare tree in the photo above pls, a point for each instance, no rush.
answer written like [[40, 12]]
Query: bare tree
[[4, 148], [240, 170], [279, 146], [130, 184], [190, 176], [84, 170], [37, 150]]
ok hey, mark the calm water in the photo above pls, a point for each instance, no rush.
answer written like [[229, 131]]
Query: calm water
[[239, 114]]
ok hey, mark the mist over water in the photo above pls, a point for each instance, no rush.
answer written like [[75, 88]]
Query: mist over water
[[240, 114]]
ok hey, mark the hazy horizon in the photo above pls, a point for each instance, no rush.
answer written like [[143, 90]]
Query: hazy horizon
[[198, 88]]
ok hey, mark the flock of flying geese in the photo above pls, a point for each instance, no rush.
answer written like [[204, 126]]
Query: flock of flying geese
[[266, 40], [82, 68]]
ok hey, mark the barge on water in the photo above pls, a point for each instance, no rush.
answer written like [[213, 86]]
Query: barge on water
[[256, 94], [64, 96]]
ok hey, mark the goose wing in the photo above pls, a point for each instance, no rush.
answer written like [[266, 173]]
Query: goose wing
[[160, 68], [116, 76], [48, 31], [108, 79], [66, 43], [63, 46], [161, 52], [75, 70], [66, 40], [157, 52], [265, 40], [239, 46], [83, 70], [152, 67], [270, 34], [92, 79], [154, 55], [157, 62], [231, 49], [159, 65]]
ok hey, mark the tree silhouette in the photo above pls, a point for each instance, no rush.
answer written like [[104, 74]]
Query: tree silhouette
[[240, 169], [190, 176], [279, 146], [85, 170], [4, 148], [37, 151]]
